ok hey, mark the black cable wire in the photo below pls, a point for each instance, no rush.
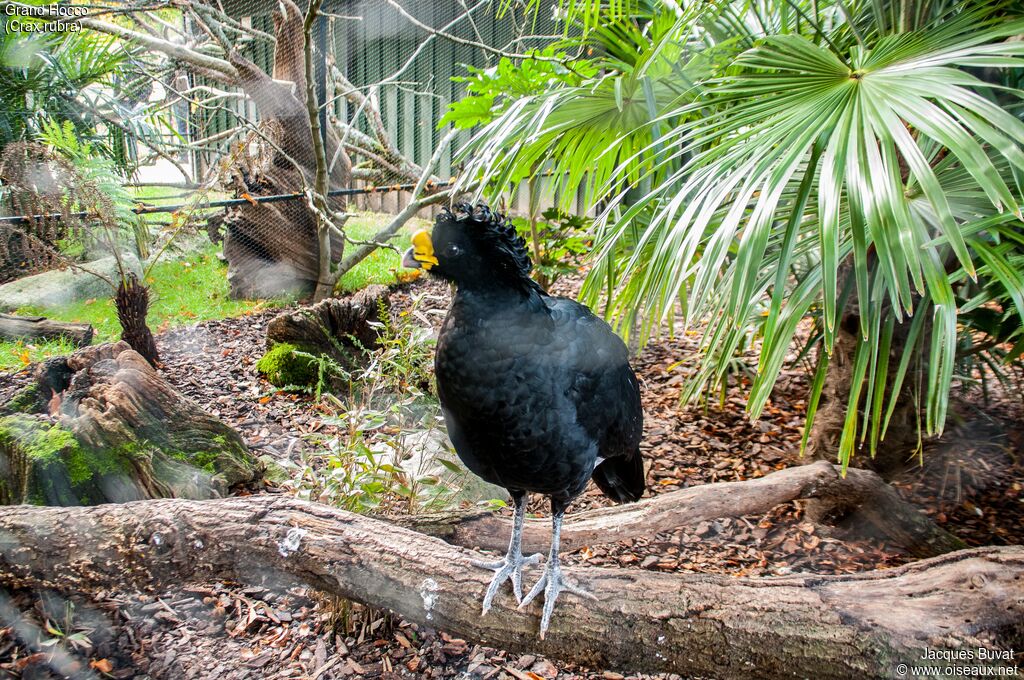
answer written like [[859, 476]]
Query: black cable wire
[[228, 202]]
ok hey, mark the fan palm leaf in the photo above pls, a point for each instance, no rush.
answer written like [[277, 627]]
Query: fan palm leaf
[[817, 159], [844, 154]]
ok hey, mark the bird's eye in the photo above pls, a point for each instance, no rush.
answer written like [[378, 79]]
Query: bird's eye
[[452, 250]]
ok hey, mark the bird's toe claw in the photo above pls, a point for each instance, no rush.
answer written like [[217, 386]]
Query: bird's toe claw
[[510, 568], [552, 583], [535, 591]]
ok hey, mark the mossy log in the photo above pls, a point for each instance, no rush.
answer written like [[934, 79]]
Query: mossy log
[[105, 427], [705, 625], [339, 328]]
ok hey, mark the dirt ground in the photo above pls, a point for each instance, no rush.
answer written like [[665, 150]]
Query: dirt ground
[[970, 482]]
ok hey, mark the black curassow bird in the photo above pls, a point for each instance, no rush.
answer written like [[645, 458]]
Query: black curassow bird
[[537, 392]]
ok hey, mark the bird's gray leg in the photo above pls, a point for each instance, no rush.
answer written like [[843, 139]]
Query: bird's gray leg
[[552, 582], [512, 565]]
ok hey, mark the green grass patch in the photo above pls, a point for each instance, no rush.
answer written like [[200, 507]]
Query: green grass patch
[[183, 292], [19, 354], [382, 264]]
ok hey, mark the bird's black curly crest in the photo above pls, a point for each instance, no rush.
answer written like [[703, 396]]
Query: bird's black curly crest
[[495, 227]]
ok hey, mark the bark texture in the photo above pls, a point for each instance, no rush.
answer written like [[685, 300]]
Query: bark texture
[[337, 327], [40, 328], [99, 432], [834, 499], [711, 626], [132, 302], [902, 437], [864, 503]]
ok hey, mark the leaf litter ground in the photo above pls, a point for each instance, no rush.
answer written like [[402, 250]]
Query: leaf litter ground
[[970, 482]]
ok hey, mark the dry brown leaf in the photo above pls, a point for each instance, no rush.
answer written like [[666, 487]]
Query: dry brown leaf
[[101, 665], [522, 675]]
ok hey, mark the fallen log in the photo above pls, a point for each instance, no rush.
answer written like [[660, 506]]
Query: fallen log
[[40, 328], [824, 627], [861, 492]]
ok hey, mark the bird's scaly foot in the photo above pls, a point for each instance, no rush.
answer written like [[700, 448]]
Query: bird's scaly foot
[[552, 583], [509, 568]]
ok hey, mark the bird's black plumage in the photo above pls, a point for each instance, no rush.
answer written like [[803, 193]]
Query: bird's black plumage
[[537, 392]]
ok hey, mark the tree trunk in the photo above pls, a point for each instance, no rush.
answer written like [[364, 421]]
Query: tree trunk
[[40, 328], [903, 437], [272, 248], [98, 432], [132, 302], [796, 626]]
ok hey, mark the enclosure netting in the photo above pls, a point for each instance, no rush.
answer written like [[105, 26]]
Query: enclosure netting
[[384, 78], [208, 111]]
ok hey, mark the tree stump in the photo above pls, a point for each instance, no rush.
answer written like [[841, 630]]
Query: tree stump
[[104, 426], [339, 328]]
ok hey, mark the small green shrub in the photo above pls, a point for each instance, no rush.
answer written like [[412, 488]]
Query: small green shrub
[[404, 357], [284, 365], [558, 242]]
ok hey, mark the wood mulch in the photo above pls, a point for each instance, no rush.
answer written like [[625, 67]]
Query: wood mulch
[[970, 482]]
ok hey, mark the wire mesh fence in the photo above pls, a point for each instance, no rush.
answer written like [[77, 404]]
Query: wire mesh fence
[[212, 98]]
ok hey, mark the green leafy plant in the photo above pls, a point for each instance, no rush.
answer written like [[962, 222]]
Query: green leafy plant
[[80, 78], [856, 164], [553, 236], [558, 243], [403, 361], [67, 631], [388, 453], [118, 221], [490, 91]]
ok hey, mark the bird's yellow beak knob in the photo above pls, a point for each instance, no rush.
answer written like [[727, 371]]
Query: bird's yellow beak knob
[[421, 255]]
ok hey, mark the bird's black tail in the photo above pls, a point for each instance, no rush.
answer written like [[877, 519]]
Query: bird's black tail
[[621, 478]]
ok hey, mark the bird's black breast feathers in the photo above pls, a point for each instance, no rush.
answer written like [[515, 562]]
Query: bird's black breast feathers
[[536, 391]]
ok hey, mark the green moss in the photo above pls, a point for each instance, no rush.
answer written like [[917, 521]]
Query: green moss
[[58, 446], [46, 464], [46, 445], [133, 450], [52, 452], [38, 440], [282, 366], [25, 400], [206, 460], [219, 455]]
